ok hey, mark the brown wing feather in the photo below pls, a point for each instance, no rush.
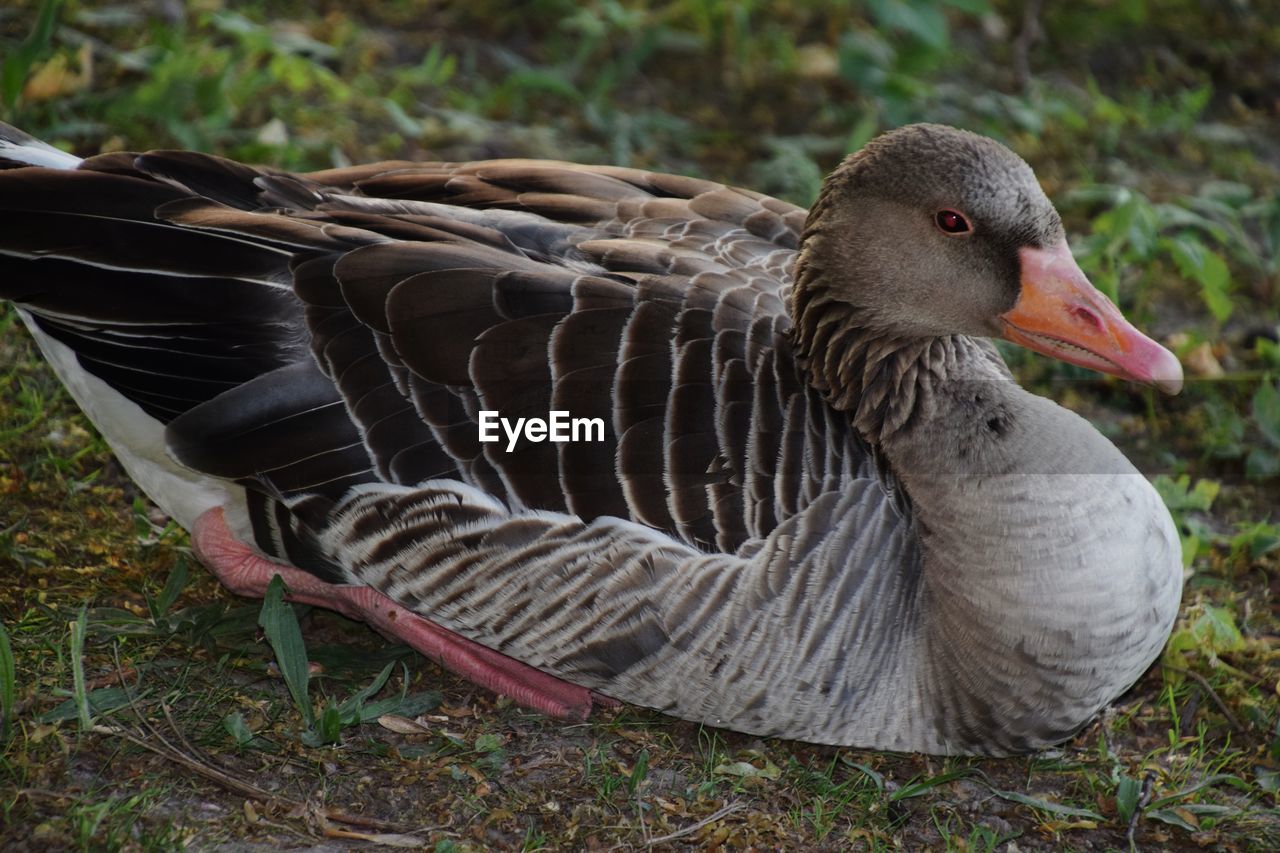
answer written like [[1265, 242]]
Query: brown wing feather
[[432, 291]]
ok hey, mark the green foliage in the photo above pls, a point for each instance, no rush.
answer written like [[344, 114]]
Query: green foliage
[[79, 691], [1212, 632], [173, 587], [1255, 540], [280, 624], [1186, 504], [1249, 433], [1264, 459], [1135, 238], [1268, 352], [1180, 497], [120, 823], [357, 709], [890, 63], [100, 702], [1128, 790], [17, 65], [639, 771], [235, 725], [8, 685], [1206, 268]]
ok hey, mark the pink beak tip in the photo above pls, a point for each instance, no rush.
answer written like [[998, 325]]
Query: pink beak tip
[[1166, 372]]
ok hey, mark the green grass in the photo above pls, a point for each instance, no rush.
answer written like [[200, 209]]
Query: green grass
[[146, 708]]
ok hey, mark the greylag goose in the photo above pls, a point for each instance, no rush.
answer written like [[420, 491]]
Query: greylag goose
[[814, 503]]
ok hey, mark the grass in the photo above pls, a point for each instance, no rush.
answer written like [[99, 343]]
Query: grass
[[145, 708]]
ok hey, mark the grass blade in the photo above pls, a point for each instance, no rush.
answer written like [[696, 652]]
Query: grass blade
[[352, 706], [173, 587], [1046, 805], [17, 66], [79, 692], [280, 623], [101, 701], [876, 778], [1127, 793], [8, 684], [917, 787], [1207, 782], [638, 771]]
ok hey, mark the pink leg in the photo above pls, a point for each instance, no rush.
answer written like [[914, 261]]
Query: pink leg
[[246, 573]]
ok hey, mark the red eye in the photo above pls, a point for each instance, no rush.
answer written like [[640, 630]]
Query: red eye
[[951, 222]]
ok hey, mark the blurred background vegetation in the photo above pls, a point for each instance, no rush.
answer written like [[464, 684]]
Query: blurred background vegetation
[[1155, 127]]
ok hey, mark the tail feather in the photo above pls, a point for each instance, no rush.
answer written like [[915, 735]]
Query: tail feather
[[168, 316], [18, 148]]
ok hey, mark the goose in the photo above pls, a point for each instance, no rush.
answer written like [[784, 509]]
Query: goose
[[819, 506]]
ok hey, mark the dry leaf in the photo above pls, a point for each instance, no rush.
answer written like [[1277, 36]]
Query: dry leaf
[[1202, 362], [470, 770], [386, 839], [403, 725], [55, 77], [817, 62], [1053, 827], [747, 770]]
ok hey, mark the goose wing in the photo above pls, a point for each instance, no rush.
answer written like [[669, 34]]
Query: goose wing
[[426, 294]]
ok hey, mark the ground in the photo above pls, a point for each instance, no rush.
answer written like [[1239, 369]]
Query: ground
[[147, 708]]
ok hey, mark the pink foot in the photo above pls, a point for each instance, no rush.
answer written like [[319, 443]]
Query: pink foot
[[246, 573]]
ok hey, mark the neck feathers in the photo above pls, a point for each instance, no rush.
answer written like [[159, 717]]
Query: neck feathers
[[884, 381]]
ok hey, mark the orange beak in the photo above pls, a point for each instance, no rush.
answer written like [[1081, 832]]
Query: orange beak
[[1060, 314]]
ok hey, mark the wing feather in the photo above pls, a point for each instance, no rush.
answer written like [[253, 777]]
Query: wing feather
[[422, 294]]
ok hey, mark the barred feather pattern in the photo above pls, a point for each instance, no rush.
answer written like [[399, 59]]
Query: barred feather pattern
[[660, 616], [757, 543]]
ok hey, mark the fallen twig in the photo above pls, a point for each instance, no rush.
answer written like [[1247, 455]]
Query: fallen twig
[[1213, 694], [248, 789], [196, 759], [692, 828], [143, 721], [44, 792], [1143, 799]]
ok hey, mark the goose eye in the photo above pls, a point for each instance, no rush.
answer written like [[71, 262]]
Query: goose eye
[[951, 222]]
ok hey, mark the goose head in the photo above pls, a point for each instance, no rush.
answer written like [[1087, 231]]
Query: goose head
[[931, 231]]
